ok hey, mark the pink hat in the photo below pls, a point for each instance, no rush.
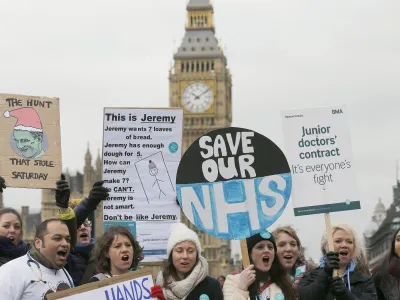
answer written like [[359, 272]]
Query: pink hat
[[27, 119]]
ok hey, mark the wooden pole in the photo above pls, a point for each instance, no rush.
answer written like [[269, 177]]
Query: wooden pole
[[245, 254], [329, 236]]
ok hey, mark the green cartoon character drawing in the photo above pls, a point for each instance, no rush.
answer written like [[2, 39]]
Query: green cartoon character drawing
[[28, 132]]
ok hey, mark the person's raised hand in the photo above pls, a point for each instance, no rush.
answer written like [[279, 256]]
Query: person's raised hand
[[97, 194], [62, 192], [247, 277], [331, 262]]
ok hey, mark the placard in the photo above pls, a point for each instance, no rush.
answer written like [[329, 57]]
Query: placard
[[233, 183], [30, 141], [319, 150], [141, 154], [133, 285]]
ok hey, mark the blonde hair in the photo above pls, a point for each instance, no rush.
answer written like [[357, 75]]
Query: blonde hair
[[358, 253]]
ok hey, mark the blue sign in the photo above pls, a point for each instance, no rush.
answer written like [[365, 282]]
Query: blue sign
[[233, 183]]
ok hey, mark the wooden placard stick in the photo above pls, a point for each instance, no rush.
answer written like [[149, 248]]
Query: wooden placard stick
[[245, 254], [329, 236]]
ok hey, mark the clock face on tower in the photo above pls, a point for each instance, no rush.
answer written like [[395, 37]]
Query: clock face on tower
[[197, 97]]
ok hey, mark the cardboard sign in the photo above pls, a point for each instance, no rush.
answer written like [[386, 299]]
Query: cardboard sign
[[30, 141], [133, 285], [319, 151], [233, 183], [141, 154]]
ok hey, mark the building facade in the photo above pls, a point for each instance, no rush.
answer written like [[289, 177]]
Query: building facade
[[201, 83], [379, 233]]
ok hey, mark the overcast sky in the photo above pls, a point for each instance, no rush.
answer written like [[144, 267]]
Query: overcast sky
[[282, 54]]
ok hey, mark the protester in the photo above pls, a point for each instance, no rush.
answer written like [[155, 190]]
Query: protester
[[289, 252], [11, 244], [116, 253], [387, 275], [265, 278], [353, 281], [11, 234], [79, 265], [185, 273], [221, 280], [39, 272]]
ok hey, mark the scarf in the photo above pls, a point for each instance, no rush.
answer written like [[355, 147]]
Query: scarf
[[83, 250], [394, 266], [179, 290], [36, 255], [11, 251]]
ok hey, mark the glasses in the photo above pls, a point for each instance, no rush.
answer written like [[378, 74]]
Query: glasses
[[87, 223]]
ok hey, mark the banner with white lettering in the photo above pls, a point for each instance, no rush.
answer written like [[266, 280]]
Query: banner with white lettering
[[141, 154], [233, 183], [30, 141], [133, 285], [319, 151]]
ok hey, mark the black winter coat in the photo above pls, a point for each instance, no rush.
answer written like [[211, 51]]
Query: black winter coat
[[210, 287], [316, 286]]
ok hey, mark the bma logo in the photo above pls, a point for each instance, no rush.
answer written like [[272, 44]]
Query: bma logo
[[337, 111]]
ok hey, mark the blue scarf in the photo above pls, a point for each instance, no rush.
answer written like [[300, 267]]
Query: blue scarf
[[11, 251], [350, 268]]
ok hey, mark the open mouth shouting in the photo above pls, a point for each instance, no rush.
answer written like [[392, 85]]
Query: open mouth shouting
[[126, 258], [266, 259], [288, 258], [344, 253], [84, 235], [62, 255]]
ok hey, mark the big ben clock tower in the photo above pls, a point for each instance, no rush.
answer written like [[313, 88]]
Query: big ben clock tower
[[201, 84]]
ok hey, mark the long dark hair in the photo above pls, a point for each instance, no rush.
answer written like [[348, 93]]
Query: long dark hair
[[278, 275], [392, 250], [383, 269], [104, 243]]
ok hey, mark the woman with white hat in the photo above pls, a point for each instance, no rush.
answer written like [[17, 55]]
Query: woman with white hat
[[185, 273]]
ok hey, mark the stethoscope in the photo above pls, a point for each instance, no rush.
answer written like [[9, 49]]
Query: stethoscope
[[40, 279]]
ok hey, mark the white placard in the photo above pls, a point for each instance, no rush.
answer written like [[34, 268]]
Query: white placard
[[319, 152], [141, 154], [138, 288]]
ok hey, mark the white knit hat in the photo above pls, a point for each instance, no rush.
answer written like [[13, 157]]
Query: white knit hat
[[181, 233]]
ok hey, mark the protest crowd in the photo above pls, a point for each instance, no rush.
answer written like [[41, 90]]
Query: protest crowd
[[64, 256]]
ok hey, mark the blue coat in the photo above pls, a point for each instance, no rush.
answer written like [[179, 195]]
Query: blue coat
[[79, 256]]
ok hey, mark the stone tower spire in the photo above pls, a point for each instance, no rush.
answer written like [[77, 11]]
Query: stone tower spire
[[200, 63], [88, 172], [99, 164], [88, 157]]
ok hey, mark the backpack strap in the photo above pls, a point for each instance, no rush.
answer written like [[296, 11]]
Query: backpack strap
[[89, 271]]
